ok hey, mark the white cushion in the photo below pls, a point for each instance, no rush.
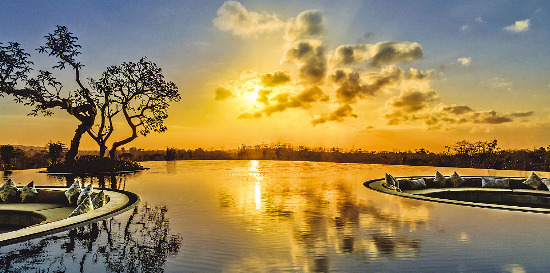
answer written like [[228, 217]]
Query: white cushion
[[28, 192], [86, 191], [489, 182], [439, 179], [533, 181], [8, 191], [455, 180], [546, 182], [417, 184], [73, 192], [85, 206], [99, 200], [391, 182]]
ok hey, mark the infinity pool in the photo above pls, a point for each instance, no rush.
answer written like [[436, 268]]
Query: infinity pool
[[257, 216]]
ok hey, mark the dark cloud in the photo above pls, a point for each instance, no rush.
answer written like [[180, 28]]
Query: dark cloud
[[263, 96], [367, 37], [379, 54], [350, 87], [250, 115], [490, 117], [277, 78], [522, 114], [442, 115], [393, 51], [303, 100], [308, 24], [223, 94], [310, 56], [345, 54], [416, 74], [395, 117], [338, 115], [457, 109], [412, 100]]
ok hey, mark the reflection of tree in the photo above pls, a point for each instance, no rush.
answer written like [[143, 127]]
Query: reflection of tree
[[115, 181], [139, 241]]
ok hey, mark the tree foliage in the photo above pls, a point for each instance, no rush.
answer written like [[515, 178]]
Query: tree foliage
[[137, 91], [8, 153], [55, 151], [43, 92]]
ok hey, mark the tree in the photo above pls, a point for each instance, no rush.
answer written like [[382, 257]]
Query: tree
[[8, 153], [138, 91], [170, 154], [44, 92], [55, 151]]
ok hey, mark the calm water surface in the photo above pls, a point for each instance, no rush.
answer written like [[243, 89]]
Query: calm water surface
[[258, 216]]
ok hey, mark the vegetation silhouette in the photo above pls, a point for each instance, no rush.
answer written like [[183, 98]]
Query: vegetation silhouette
[[8, 154], [137, 91], [462, 154]]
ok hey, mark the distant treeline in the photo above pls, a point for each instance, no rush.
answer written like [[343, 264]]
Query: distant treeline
[[463, 154]]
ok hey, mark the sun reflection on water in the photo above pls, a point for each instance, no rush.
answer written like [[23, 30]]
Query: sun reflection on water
[[255, 173]]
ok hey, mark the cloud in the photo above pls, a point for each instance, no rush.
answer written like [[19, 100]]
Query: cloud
[[310, 57], [391, 52], [263, 96], [518, 26], [275, 79], [465, 28], [338, 115], [412, 100], [479, 20], [351, 87], [513, 268], [303, 100], [284, 101], [497, 82], [465, 61], [234, 17], [457, 109], [379, 54], [489, 117], [250, 115], [223, 94], [522, 114], [443, 115], [367, 37], [308, 24], [419, 75]]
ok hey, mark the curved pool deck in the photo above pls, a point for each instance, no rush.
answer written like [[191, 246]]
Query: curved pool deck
[[47, 218], [540, 199]]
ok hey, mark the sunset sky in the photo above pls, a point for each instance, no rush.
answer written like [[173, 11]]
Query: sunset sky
[[375, 75]]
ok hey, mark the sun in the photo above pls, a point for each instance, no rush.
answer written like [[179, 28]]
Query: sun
[[249, 95]]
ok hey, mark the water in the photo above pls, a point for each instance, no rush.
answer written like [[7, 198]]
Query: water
[[273, 216]]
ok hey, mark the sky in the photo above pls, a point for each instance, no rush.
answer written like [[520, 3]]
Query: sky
[[372, 75]]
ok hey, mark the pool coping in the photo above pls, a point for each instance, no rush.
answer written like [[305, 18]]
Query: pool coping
[[119, 202], [376, 184]]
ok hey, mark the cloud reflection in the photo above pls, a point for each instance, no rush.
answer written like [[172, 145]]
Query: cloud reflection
[[326, 217]]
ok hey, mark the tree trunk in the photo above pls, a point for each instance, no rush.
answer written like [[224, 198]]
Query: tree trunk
[[75, 142], [102, 150], [112, 152]]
